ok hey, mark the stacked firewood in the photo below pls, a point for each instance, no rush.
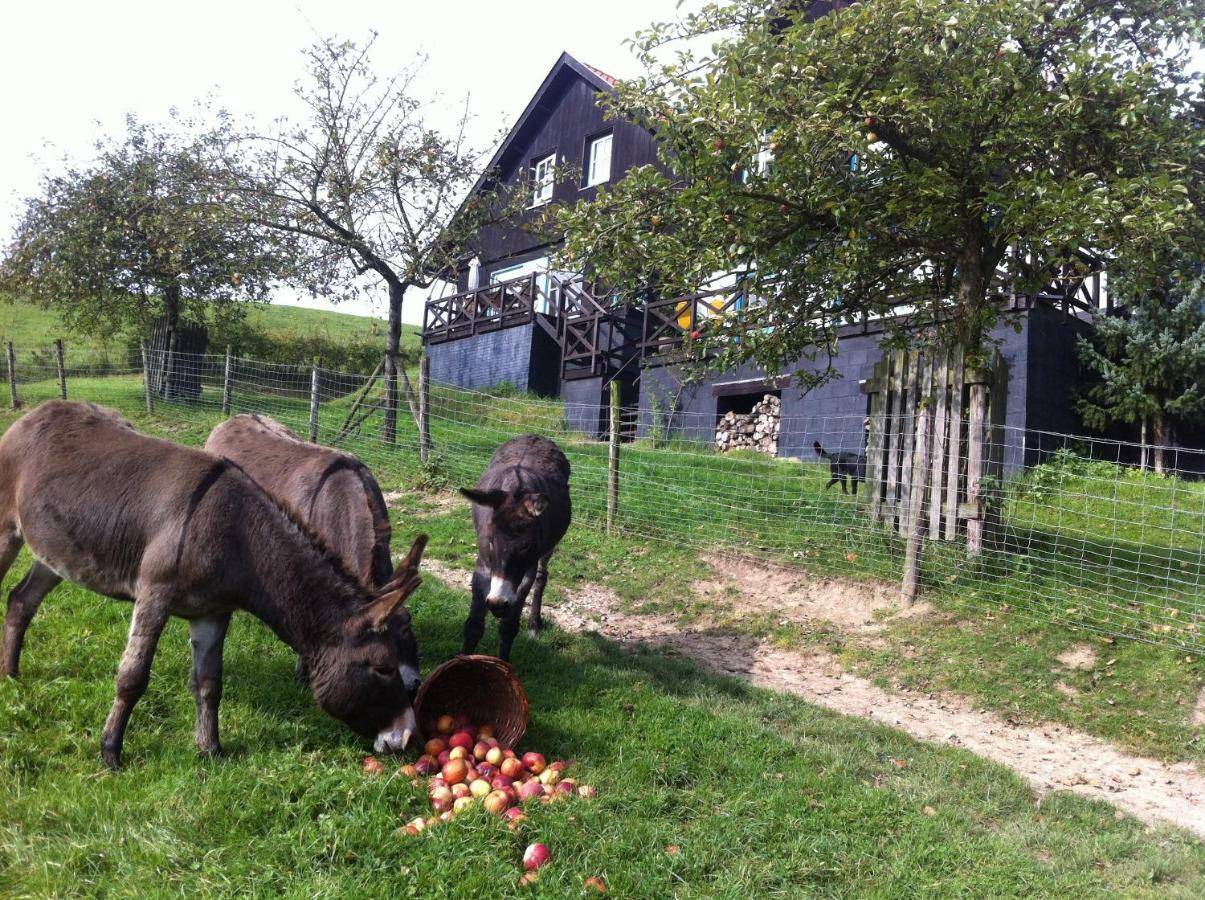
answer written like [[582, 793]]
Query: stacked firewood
[[755, 430]]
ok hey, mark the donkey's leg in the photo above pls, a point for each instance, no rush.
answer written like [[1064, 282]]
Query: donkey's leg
[[134, 673], [474, 625], [23, 603], [507, 629], [207, 636], [535, 619]]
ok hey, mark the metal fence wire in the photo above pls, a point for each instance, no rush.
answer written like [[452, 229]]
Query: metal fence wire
[[1085, 536]]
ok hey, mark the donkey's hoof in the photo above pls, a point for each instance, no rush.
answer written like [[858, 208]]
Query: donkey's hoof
[[213, 751], [112, 757], [535, 627]]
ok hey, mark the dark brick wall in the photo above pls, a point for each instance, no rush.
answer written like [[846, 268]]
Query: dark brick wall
[[832, 413], [485, 360]]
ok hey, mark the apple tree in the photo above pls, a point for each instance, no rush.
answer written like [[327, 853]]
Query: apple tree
[[900, 154]]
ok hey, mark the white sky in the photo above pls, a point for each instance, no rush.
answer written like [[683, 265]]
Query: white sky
[[67, 66]]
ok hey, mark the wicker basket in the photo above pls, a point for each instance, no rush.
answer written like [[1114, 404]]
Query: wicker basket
[[484, 688]]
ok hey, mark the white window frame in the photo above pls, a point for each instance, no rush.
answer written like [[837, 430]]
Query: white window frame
[[593, 175], [542, 177]]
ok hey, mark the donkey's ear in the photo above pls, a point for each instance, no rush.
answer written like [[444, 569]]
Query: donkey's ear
[[411, 561], [535, 504], [492, 499], [379, 611]]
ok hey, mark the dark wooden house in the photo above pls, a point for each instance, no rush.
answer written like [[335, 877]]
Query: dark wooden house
[[515, 319]]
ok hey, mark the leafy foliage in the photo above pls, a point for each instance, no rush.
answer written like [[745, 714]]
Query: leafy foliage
[[141, 230], [916, 152], [1150, 362]]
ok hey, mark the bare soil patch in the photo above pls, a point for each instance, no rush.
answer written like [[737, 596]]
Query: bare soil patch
[[1080, 657], [432, 504], [789, 594]]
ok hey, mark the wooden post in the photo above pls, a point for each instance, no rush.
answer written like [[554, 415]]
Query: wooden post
[[228, 383], [314, 383], [146, 380], [939, 388], [613, 461], [12, 376], [60, 363], [918, 482], [424, 408], [975, 439], [874, 442], [954, 449], [895, 422]]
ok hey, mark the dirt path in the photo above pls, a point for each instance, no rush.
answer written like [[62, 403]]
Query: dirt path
[[1050, 757]]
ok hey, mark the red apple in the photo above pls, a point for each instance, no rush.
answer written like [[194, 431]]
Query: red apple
[[559, 766], [496, 802], [435, 746], [594, 883], [454, 771], [372, 766], [480, 788], [502, 781], [460, 790], [549, 777], [444, 724], [437, 781], [494, 756], [443, 758], [531, 790], [415, 826], [459, 753], [442, 800], [535, 856], [586, 790], [566, 786], [481, 750], [509, 753], [511, 768], [409, 770], [515, 813], [464, 803], [426, 765], [534, 763], [485, 770]]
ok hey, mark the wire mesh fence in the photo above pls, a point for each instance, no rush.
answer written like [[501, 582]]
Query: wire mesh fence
[[1083, 535]]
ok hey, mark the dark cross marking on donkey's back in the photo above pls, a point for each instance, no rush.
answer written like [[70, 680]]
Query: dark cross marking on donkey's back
[[343, 503], [182, 532], [521, 510]]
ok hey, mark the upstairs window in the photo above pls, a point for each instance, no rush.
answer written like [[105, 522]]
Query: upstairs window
[[541, 179], [598, 161]]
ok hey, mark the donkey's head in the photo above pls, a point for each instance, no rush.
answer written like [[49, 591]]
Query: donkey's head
[[507, 539], [360, 675]]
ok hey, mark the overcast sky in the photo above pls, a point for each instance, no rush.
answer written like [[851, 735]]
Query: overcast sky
[[67, 66]]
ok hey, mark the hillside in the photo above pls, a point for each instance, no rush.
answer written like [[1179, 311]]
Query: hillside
[[29, 326]]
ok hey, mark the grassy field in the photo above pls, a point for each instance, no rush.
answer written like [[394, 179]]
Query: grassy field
[[706, 788], [998, 628], [32, 327]]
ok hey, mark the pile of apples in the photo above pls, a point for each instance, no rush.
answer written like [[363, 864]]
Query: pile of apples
[[465, 766]]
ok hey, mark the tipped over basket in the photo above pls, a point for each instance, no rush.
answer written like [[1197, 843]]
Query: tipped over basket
[[483, 688]]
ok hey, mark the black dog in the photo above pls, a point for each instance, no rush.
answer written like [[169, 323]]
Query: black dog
[[843, 467]]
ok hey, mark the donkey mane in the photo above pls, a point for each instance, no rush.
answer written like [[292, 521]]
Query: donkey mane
[[356, 589]]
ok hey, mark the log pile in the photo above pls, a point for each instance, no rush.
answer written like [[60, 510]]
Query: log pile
[[754, 430]]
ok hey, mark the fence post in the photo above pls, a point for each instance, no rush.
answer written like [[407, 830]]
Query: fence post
[[424, 408], [613, 461], [146, 380], [314, 384], [12, 376], [975, 438], [228, 383], [918, 482], [60, 363]]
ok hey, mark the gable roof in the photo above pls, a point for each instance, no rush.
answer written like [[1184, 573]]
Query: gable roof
[[564, 69]]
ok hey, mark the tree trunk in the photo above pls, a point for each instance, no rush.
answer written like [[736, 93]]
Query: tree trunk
[[392, 344], [972, 290], [171, 309], [1142, 459], [1160, 439]]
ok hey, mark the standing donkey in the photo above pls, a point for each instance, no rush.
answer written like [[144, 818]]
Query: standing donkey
[[334, 494], [181, 532], [521, 510]]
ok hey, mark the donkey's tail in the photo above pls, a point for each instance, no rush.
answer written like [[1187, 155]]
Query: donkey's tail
[[820, 451]]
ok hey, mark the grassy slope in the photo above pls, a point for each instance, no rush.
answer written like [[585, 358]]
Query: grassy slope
[[29, 326]]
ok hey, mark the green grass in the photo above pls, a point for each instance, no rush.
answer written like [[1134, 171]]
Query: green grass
[[32, 327], [762, 794]]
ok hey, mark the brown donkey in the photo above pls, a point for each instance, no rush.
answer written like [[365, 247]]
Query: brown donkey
[[334, 493], [181, 532]]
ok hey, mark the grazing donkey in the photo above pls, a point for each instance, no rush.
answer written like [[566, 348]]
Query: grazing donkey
[[181, 532], [843, 466], [334, 494], [521, 510]]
